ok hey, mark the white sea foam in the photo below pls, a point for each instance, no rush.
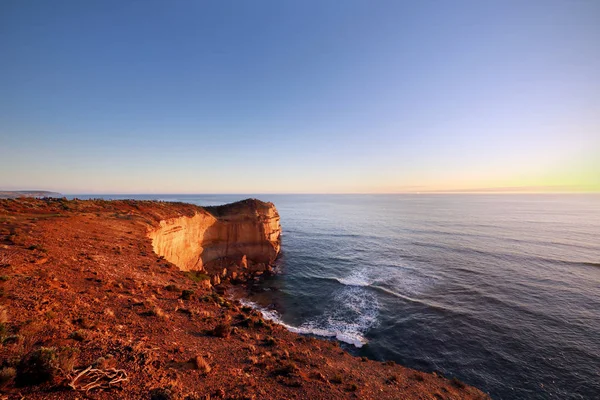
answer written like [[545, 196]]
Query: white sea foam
[[353, 312], [356, 278], [342, 331]]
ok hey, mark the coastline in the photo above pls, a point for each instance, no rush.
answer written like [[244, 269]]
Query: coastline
[[83, 275]]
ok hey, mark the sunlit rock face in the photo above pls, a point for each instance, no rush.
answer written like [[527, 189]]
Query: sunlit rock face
[[232, 241]]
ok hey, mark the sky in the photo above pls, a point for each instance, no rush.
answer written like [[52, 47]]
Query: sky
[[299, 96]]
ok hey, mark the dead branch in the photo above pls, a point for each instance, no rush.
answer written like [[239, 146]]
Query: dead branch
[[94, 378]]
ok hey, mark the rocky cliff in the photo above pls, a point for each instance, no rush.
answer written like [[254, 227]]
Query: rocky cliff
[[232, 241]]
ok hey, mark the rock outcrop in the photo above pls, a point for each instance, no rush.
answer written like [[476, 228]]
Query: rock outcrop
[[233, 241]]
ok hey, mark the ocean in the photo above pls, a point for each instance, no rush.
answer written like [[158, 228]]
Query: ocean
[[499, 291]]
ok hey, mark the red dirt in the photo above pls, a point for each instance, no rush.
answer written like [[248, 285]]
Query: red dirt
[[81, 277]]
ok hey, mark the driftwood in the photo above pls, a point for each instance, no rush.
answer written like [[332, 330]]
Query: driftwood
[[94, 378]]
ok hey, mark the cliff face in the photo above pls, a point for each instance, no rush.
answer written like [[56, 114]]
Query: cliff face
[[232, 241]]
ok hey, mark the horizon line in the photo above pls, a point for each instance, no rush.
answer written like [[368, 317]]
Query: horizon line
[[329, 193], [499, 190]]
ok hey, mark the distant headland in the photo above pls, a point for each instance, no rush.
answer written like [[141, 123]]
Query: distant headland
[[15, 194]]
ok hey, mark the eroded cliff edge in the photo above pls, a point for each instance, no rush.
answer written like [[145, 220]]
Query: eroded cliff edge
[[235, 241]]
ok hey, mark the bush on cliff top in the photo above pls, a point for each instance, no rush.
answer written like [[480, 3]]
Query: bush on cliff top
[[197, 276], [44, 364], [37, 367]]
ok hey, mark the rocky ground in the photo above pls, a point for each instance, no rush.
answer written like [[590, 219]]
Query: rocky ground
[[88, 310]]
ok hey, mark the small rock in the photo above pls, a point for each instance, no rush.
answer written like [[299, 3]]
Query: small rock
[[205, 284]]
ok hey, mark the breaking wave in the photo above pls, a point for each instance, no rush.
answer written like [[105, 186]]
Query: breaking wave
[[356, 278], [355, 313]]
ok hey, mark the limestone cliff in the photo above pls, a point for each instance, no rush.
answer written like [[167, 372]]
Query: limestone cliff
[[231, 241]]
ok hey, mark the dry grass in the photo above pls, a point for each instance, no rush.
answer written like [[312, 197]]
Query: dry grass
[[67, 357], [201, 364], [155, 312], [3, 315], [6, 258]]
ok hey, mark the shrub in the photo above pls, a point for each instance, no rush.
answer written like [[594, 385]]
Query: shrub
[[85, 323], [245, 322], [417, 377], [160, 394], [218, 299], [270, 341], [38, 247], [197, 276], [11, 339], [187, 294], [39, 366], [337, 379], [172, 288], [155, 312], [456, 383], [80, 335], [222, 330], [286, 370]]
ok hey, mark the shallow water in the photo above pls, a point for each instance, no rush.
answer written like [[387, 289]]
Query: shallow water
[[500, 291]]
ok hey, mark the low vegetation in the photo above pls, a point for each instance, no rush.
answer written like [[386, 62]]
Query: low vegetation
[[197, 276]]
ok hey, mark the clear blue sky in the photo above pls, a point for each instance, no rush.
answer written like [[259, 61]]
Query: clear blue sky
[[299, 96]]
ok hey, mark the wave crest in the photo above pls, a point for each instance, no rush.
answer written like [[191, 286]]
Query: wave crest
[[356, 278]]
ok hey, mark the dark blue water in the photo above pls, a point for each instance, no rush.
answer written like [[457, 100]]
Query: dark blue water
[[501, 291]]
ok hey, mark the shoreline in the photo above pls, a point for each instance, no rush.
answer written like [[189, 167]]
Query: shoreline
[[240, 293]]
